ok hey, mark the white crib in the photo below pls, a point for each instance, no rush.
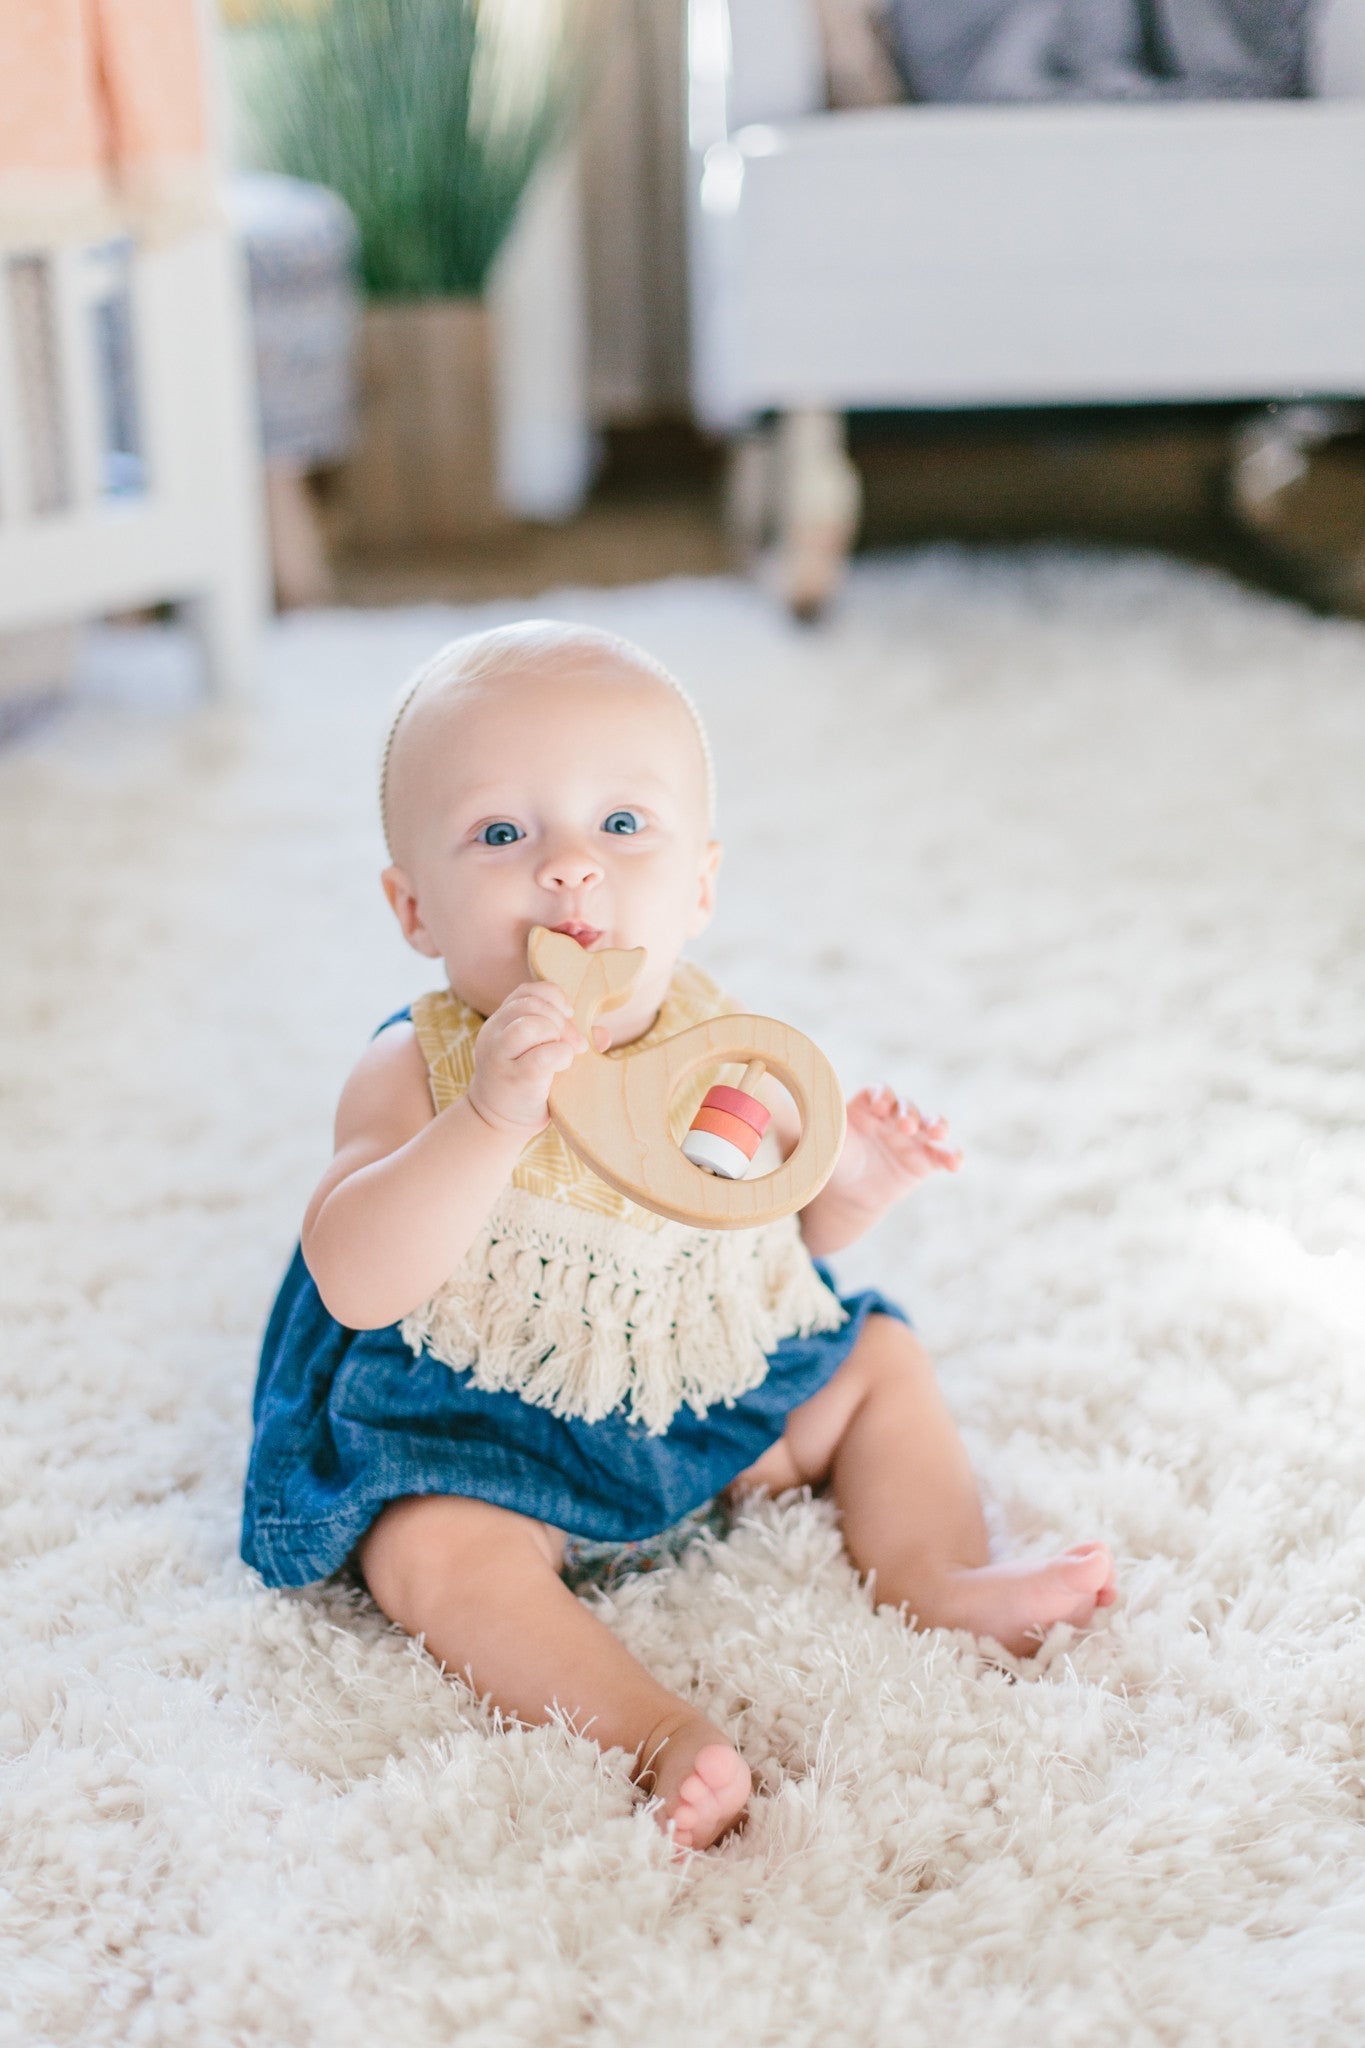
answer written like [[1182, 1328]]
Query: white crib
[[141, 487]]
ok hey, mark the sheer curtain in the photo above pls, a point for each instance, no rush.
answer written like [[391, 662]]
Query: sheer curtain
[[633, 146]]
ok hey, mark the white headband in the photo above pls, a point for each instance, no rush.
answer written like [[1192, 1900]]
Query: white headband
[[454, 659]]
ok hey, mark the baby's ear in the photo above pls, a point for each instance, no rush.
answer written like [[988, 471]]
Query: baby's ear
[[712, 855], [403, 903]]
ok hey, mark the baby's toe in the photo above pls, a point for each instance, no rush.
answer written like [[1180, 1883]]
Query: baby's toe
[[712, 1796], [725, 1775], [1088, 1567]]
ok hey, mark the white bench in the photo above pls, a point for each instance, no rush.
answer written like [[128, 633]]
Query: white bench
[[936, 256]]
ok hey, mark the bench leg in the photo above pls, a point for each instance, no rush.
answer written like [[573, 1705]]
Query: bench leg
[[298, 555], [227, 621], [818, 501], [750, 503]]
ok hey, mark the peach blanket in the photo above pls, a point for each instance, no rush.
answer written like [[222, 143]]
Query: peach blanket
[[102, 120]]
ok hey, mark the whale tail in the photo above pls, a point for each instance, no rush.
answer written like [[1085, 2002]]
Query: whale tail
[[592, 981]]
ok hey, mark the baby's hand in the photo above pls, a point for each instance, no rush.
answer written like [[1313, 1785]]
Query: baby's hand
[[529, 1038], [894, 1147]]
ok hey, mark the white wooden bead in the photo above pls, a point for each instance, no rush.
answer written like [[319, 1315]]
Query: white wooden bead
[[717, 1155]]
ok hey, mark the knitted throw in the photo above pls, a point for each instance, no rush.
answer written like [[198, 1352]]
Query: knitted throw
[[582, 1302]]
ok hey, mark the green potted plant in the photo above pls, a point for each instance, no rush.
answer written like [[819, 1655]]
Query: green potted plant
[[430, 118]]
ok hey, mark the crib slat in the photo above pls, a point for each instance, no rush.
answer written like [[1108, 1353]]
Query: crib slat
[[15, 492], [78, 376]]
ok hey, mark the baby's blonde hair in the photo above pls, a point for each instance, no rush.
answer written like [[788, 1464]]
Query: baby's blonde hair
[[530, 644]]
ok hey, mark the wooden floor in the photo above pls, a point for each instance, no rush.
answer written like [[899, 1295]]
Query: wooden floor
[[1141, 478], [653, 512], [606, 544]]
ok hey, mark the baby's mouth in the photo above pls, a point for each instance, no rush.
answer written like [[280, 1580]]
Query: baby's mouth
[[586, 935]]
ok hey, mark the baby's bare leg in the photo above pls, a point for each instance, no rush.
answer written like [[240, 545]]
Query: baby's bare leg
[[482, 1586], [881, 1433]]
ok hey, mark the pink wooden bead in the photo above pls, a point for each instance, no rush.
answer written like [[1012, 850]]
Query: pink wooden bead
[[736, 1103]]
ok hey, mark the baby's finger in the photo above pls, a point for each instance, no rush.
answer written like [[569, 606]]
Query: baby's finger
[[554, 1056], [928, 1127], [544, 996], [523, 1033], [543, 1024], [537, 988], [523, 1029]]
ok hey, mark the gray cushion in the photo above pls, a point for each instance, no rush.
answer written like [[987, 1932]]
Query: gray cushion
[[300, 243]]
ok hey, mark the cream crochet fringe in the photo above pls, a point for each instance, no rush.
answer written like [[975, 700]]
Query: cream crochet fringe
[[581, 1313]]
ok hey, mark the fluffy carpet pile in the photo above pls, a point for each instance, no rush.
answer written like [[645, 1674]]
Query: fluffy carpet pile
[[1071, 848]]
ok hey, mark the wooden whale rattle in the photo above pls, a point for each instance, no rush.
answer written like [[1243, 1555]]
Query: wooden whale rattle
[[614, 1111]]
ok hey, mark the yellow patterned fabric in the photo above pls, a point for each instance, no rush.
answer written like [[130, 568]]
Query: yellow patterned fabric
[[582, 1302]]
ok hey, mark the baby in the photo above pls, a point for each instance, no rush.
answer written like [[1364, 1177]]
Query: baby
[[481, 1349]]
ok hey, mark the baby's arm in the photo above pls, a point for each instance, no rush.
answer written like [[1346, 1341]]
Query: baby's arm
[[408, 1190]]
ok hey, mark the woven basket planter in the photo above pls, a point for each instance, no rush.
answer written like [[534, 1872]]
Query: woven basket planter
[[424, 470]]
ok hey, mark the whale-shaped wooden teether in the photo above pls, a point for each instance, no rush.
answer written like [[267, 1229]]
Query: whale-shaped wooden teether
[[613, 1110]]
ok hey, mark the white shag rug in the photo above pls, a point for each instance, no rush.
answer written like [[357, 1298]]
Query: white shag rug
[[1071, 848]]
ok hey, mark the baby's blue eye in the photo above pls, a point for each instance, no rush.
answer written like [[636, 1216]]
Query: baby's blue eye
[[623, 821], [501, 833]]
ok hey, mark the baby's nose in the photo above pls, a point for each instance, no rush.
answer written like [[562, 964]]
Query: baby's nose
[[569, 866]]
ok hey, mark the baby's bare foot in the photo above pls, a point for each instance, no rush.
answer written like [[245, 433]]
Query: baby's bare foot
[[1016, 1604], [702, 1779]]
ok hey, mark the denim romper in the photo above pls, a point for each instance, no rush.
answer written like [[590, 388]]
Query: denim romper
[[346, 1421]]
